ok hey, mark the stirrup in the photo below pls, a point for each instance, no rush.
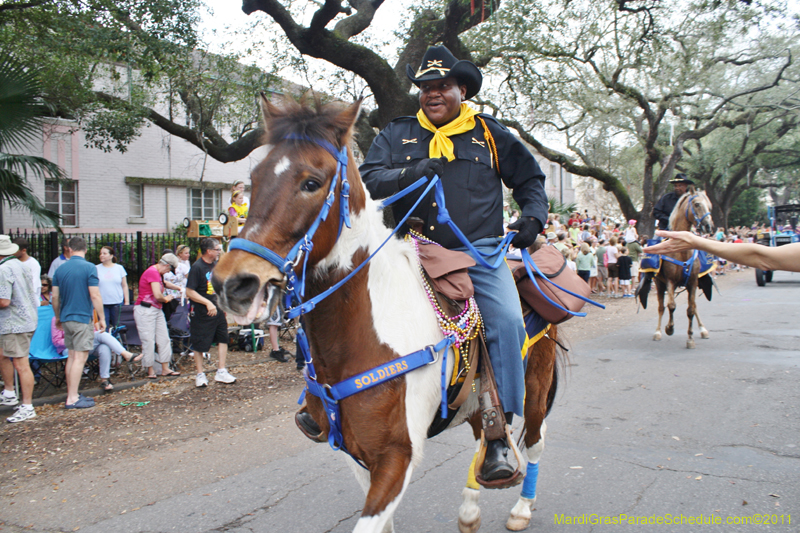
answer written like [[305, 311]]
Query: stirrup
[[511, 481]]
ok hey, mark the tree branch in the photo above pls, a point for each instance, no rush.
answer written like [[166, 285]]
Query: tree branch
[[355, 24], [327, 45], [609, 181], [217, 148]]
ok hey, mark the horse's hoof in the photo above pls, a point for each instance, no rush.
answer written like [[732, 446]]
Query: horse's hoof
[[520, 517], [657, 336], [469, 527], [517, 523], [704, 333], [669, 330], [690, 344], [469, 514]]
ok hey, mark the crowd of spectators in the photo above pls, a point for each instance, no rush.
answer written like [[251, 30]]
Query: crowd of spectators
[[603, 252], [87, 300]]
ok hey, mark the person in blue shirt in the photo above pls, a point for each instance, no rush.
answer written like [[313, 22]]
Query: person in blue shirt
[[76, 293]]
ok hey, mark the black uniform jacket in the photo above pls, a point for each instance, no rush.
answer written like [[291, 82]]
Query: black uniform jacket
[[664, 207], [473, 193]]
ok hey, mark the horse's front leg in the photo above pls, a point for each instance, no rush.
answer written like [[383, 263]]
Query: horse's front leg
[[388, 479], [660, 294], [670, 329], [690, 312], [520, 516], [703, 331], [541, 382], [469, 514]]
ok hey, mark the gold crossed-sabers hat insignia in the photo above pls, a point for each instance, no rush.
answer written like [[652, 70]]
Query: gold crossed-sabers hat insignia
[[410, 141], [434, 64], [481, 143]]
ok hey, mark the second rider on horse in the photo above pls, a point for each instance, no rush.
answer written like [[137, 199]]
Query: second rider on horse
[[473, 154]]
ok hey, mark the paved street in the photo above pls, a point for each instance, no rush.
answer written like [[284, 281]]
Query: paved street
[[640, 428]]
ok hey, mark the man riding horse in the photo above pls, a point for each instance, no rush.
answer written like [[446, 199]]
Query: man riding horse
[[471, 152], [665, 205]]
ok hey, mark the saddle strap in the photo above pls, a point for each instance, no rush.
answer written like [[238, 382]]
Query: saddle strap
[[493, 419], [466, 386]]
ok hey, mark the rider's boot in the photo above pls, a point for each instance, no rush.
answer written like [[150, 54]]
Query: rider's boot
[[308, 426], [496, 465]]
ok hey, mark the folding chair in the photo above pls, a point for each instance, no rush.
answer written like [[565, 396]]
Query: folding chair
[[128, 335], [49, 364], [288, 330], [178, 325]]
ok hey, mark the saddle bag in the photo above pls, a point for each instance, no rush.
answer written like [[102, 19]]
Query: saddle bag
[[553, 276]]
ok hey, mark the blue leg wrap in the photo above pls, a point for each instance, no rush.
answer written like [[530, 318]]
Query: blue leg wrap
[[529, 485]]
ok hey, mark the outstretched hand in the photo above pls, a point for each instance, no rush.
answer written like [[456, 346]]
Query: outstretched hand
[[679, 241]]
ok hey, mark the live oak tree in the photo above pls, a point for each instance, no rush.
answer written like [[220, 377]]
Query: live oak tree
[[762, 154], [117, 66], [644, 76], [658, 79]]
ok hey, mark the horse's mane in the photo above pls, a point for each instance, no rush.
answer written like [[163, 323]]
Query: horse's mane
[[309, 117]]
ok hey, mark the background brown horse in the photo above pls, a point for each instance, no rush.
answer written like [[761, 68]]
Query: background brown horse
[[380, 314], [693, 208]]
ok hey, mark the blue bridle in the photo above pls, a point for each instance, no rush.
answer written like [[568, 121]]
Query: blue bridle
[[304, 246], [330, 395], [697, 221]]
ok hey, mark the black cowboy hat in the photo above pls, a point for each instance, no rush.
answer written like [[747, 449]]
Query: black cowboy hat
[[681, 178], [438, 62]]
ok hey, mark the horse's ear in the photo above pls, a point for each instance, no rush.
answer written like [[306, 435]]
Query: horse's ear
[[268, 110], [690, 189], [347, 119]]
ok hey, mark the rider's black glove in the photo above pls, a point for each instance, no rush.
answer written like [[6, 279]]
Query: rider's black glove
[[426, 167], [529, 228]]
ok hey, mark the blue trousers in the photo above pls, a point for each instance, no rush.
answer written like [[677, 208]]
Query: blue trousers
[[112, 315], [498, 299]]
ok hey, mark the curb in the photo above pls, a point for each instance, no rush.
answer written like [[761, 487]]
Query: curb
[[62, 398]]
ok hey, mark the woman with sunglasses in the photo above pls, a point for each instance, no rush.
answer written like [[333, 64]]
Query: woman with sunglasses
[[46, 297]]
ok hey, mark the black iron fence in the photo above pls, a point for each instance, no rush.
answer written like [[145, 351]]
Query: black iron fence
[[135, 251]]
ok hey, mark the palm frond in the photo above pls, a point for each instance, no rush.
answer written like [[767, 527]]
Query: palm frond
[[21, 105], [15, 191]]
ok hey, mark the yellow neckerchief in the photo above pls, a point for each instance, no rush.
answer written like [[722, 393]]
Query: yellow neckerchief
[[241, 210], [441, 145]]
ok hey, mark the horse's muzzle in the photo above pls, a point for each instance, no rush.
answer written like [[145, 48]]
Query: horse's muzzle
[[243, 297]]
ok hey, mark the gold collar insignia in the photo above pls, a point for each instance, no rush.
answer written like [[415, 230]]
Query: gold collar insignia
[[410, 141], [481, 143]]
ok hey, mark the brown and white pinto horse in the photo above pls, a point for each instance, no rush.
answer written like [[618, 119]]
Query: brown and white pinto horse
[[380, 314], [692, 209]]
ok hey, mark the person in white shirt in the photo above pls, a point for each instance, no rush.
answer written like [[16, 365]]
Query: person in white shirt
[[29, 263], [113, 279], [631, 234], [66, 253]]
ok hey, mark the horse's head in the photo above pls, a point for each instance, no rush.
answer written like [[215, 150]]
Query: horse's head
[[289, 191], [695, 207]]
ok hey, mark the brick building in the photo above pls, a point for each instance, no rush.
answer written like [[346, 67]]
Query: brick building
[[151, 187]]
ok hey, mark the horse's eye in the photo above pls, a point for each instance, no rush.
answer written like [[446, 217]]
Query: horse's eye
[[310, 186]]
